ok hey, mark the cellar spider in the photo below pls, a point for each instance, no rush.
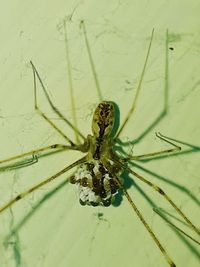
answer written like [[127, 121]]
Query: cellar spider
[[98, 176]]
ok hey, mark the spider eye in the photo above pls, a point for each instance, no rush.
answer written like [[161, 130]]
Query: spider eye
[[103, 119]]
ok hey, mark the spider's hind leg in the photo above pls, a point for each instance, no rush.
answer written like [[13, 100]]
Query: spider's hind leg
[[146, 225]]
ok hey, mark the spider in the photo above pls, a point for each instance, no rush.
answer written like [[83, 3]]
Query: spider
[[98, 174]]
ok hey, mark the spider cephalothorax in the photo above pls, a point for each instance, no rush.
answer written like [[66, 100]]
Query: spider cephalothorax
[[103, 120]]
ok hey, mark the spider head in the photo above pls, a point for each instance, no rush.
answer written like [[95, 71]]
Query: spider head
[[103, 119]]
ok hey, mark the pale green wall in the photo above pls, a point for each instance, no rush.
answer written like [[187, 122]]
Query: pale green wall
[[60, 232]]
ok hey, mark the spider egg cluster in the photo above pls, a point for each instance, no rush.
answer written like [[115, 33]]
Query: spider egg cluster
[[96, 185]]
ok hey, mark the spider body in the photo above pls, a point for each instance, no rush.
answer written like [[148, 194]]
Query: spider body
[[95, 180]]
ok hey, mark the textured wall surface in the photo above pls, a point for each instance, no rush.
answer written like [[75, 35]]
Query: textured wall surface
[[50, 228]]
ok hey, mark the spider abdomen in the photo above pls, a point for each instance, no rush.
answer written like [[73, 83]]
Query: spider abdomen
[[95, 183]]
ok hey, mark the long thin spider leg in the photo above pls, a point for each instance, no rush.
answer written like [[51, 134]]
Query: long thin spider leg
[[70, 83], [35, 73], [82, 24], [165, 100], [20, 164], [165, 254], [137, 90], [48, 180], [160, 213], [165, 151], [37, 151], [33, 160], [162, 193], [42, 113], [166, 86]]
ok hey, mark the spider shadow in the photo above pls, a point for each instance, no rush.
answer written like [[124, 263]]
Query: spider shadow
[[12, 238], [119, 148], [34, 209], [164, 110], [120, 145], [23, 163], [191, 149], [183, 189], [128, 182]]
